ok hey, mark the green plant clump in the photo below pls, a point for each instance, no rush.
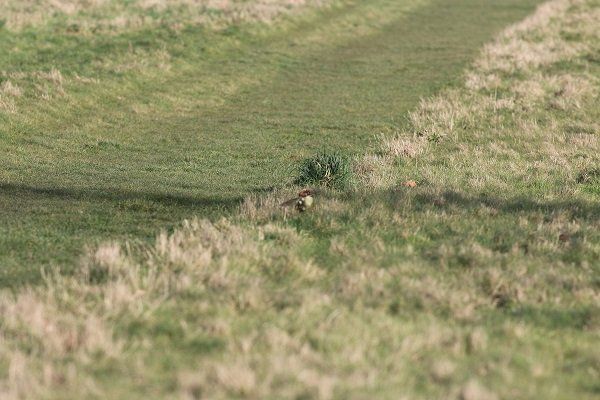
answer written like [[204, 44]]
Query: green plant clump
[[325, 169]]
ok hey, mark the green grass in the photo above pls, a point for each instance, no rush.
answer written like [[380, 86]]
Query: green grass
[[144, 146], [332, 170], [478, 282]]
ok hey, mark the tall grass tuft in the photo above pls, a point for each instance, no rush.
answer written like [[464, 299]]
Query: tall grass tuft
[[589, 176], [332, 170]]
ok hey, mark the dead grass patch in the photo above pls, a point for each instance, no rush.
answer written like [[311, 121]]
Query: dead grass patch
[[110, 16], [291, 325], [510, 76], [44, 85]]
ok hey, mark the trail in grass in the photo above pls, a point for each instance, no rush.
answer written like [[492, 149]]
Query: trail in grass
[[224, 123]]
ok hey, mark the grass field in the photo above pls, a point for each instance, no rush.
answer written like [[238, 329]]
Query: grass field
[[480, 281], [119, 133]]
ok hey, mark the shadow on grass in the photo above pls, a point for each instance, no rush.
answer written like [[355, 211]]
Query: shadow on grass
[[45, 226], [191, 201], [451, 199]]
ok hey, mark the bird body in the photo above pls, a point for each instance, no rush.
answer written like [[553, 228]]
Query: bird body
[[301, 203], [308, 201]]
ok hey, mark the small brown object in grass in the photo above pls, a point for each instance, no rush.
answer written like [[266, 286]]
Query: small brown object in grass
[[302, 202], [440, 201], [564, 237], [410, 183]]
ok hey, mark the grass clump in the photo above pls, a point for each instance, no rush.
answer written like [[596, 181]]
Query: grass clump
[[134, 67], [589, 176], [478, 283], [590, 180], [325, 169]]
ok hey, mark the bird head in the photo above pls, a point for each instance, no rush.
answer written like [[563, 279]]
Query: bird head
[[305, 192]]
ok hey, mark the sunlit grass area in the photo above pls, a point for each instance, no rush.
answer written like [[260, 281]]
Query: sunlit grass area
[[122, 132], [459, 259]]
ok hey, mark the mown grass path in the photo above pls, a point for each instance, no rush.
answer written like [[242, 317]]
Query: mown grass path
[[137, 152]]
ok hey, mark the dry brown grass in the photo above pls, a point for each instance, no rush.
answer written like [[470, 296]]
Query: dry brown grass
[[292, 327], [514, 66], [8, 93], [69, 318], [114, 16], [43, 85], [87, 17]]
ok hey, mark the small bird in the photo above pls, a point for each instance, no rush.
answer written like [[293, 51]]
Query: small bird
[[304, 200]]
